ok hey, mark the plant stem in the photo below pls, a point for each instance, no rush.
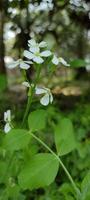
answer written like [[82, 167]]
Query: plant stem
[[30, 97], [61, 163], [29, 101]]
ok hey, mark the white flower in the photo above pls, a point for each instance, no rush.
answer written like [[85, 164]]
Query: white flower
[[55, 60], [26, 84], [22, 64], [36, 56], [34, 52], [47, 98], [42, 44], [7, 119], [34, 46], [7, 128], [61, 60]]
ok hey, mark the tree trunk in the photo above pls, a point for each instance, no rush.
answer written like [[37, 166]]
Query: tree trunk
[[2, 48]]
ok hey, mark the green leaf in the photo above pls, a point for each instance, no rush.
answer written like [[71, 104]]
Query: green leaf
[[3, 167], [66, 188], [85, 187], [40, 171], [78, 63], [69, 197], [64, 137], [16, 139], [37, 120]]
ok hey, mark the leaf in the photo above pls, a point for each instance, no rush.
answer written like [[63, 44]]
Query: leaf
[[37, 120], [66, 188], [85, 187], [3, 167], [69, 197], [16, 139], [78, 63], [64, 137], [40, 171]]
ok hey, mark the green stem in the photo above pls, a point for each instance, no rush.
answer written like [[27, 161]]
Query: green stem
[[29, 101], [61, 163], [30, 97]]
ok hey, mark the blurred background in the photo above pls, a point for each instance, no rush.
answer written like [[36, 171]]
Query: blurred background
[[65, 26]]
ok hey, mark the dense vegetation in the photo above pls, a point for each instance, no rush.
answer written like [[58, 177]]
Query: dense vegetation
[[44, 100]]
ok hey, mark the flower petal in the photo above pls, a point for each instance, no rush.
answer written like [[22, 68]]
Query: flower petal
[[40, 90], [32, 42], [34, 49], [7, 116], [38, 59], [26, 84], [42, 44], [28, 62], [23, 65], [46, 53], [7, 128], [51, 98], [28, 54], [13, 64], [45, 100], [55, 60], [61, 60]]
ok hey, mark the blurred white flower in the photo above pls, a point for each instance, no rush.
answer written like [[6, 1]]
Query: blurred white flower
[[26, 84], [7, 119], [56, 61], [36, 56], [34, 46], [62, 61], [47, 97], [7, 128], [34, 52], [22, 64]]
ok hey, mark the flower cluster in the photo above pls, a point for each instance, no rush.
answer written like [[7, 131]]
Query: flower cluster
[[36, 53]]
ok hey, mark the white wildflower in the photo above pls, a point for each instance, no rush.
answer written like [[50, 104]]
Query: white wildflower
[[34, 46], [26, 84], [37, 56], [55, 60], [34, 52], [22, 64], [62, 61], [7, 119], [47, 97]]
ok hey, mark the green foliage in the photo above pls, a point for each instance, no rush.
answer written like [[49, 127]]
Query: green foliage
[[3, 167], [78, 63], [40, 171], [64, 137], [37, 120], [16, 139], [85, 187], [30, 156]]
